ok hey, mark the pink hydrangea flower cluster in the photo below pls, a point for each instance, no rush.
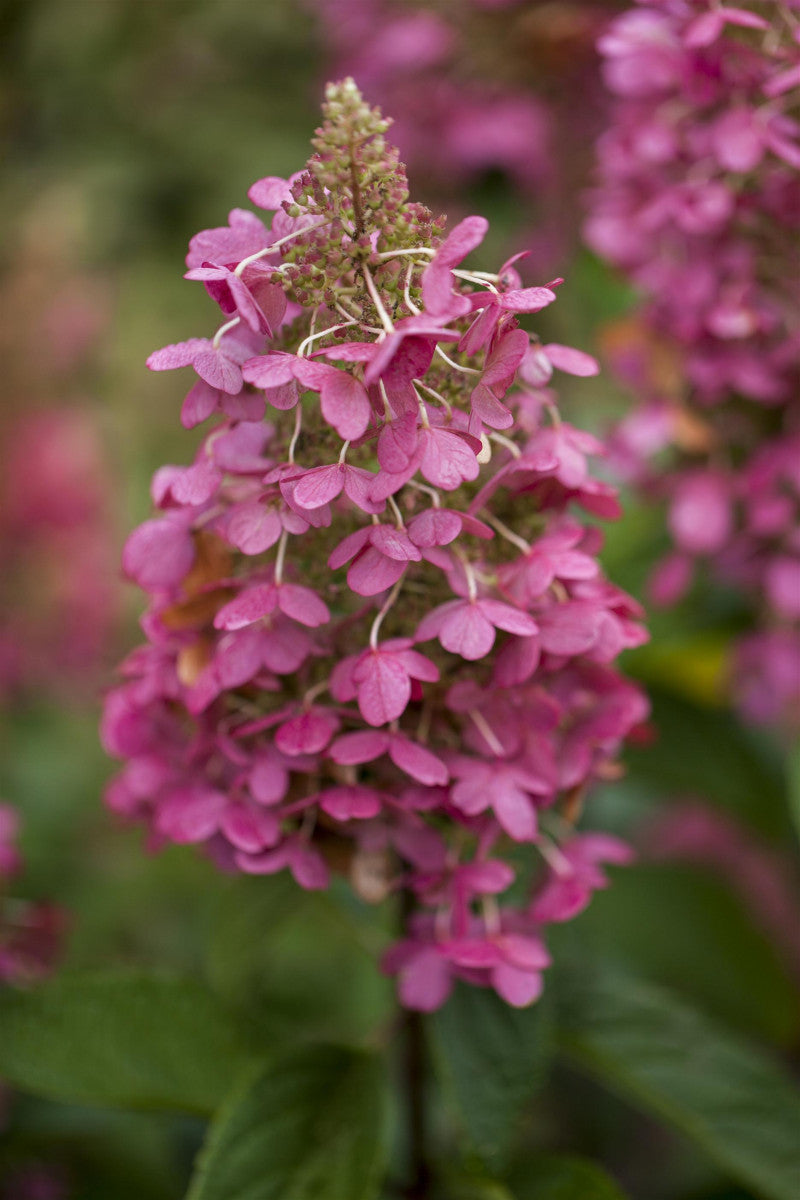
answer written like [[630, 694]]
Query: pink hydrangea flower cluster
[[698, 201], [482, 89], [30, 933], [379, 642]]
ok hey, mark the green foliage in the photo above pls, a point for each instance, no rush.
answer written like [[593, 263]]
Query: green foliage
[[306, 1128], [562, 1177], [708, 947], [126, 1039], [493, 1060], [734, 1102], [793, 771]]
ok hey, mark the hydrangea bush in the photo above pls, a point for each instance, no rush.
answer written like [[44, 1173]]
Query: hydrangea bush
[[379, 641], [698, 201]]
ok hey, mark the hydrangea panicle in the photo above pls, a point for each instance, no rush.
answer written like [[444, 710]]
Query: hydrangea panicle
[[375, 634], [697, 201]]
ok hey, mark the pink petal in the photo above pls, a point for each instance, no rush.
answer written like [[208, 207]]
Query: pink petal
[[466, 631], [253, 527], [529, 300], [179, 354], [515, 812], [319, 486], [250, 605], [350, 803], [574, 362], [360, 747], [425, 983], [249, 829], [269, 370], [270, 192], [191, 814], [417, 762], [200, 403], [307, 733], [269, 781], [485, 405], [196, 484], [345, 405], [435, 527], [568, 628], [348, 548], [384, 688], [303, 605], [516, 987], [512, 620], [447, 460], [372, 573], [159, 554]]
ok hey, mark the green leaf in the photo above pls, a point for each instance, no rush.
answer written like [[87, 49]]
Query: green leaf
[[309, 1127], [562, 1177], [710, 949], [733, 1101], [494, 1059], [126, 1039]]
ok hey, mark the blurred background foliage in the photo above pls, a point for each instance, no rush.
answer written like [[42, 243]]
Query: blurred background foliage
[[126, 127]]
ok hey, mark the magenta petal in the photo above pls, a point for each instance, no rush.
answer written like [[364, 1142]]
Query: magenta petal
[[512, 620], [350, 803], [196, 484], [529, 300], [360, 747], [425, 982], [319, 486], [348, 548], [253, 527], [249, 829], [303, 605], [372, 573], [269, 781], [574, 362], [159, 554], [308, 867], [250, 605], [384, 688], [435, 527], [179, 354], [307, 733], [201, 401], [466, 631], [345, 405], [191, 814], [219, 371], [515, 812], [269, 370], [417, 762], [486, 406], [516, 987], [270, 192]]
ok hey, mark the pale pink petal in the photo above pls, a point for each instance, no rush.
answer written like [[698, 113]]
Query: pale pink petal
[[574, 362], [179, 354], [512, 620], [270, 192], [269, 370], [515, 812]]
